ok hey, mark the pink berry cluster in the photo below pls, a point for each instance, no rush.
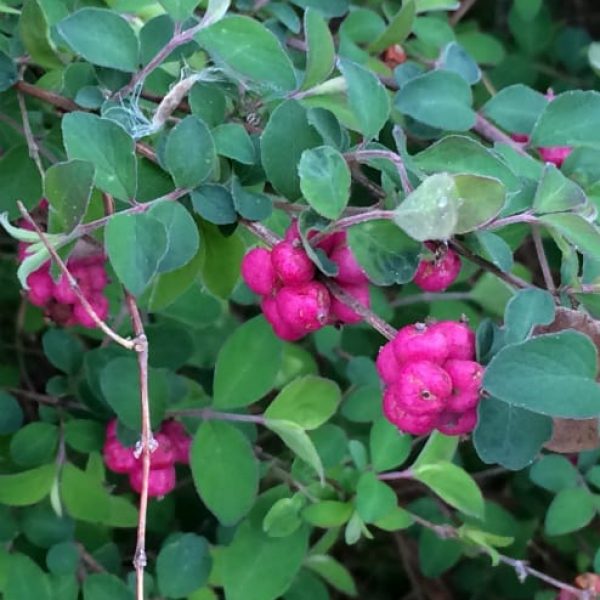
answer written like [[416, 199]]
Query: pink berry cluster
[[57, 298], [173, 446], [431, 378], [550, 154], [439, 272], [294, 302]]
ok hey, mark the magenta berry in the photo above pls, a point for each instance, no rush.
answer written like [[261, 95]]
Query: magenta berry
[[437, 274], [41, 287], [100, 305], [292, 264], [460, 338], [63, 292], [520, 138], [555, 154], [160, 482], [306, 307], [406, 421], [450, 423], [111, 429], [420, 342], [117, 457], [349, 271], [258, 271], [387, 365], [282, 329], [180, 440], [465, 374], [164, 454], [341, 312]]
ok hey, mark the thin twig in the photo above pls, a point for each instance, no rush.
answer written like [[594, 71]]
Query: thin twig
[[350, 221], [490, 132], [15, 125], [405, 555], [210, 414], [543, 259], [47, 96], [374, 189], [34, 151], [89, 309], [463, 9], [396, 159], [261, 232]]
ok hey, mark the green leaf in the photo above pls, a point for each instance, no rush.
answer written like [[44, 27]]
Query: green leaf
[[63, 558], [101, 37], [208, 102], [84, 435], [320, 56], [183, 239], [35, 35], [557, 127], [374, 498], [509, 435], [84, 496], [387, 255], [232, 140], [190, 152], [456, 59], [19, 180], [247, 365], [63, 350], [280, 158], [578, 231], [460, 154], [367, 97], [328, 513], [307, 401], [104, 586], [120, 387], [214, 203], [225, 470], [283, 519], [554, 473], [136, 246], [180, 10], [427, 5], [557, 193], [526, 309], [437, 448], [295, 438], [333, 572], [107, 146], [437, 555], [26, 580], [215, 11], [550, 374], [183, 565], [389, 447], [325, 181], [453, 485], [495, 249], [515, 108], [34, 444], [439, 99], [11, 414], [398, 29], [250, 50], [68, 188], [571, 510], [27, 487], [250, 205], [430, 212], [481, 199]]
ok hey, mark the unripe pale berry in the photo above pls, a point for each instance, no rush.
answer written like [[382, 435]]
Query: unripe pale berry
[[437, 274], [349, 271], [305, 307], [405, 421], [387, 365], [160, 481], [100, 305], [258, 272], [422, 387], [282, 329], [450, 423], [292, 264], [460, 338], [341, 312], [117, 457], [41, 287], [420, 342]]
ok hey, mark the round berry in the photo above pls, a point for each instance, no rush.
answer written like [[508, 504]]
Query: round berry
[[180, 440], [117, 457], [306, 307], [349, 271], [164, 454], [437, 274], [160, 481], [111, 429], [520, 138], [41, 287], [281, 328], [420, 342], [100, 305], [292, 264], [460, 338], [555, 154], [404, 420], [465, 374], [387, 365], [341, 312], [258, 272], [98, 278], [63, 292], [452, 423]]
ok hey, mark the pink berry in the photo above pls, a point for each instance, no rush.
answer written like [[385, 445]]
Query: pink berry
[[460, 338], [465, 374], [292, 234], [437, 274], [327, 244], [407, 422], [41, 287], [292, 264], [180, 440], [463, 400], [422, 387], [63, 292], [117, 457], [349, 271], [342, 312], [451, 423], [520, 138], [420, 342], [98, 278], [281, 328], [164, 454], [111, 429], [555, 154], [387, 365], [160, 481], [100, 305], [258, 271], [305, 307]]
